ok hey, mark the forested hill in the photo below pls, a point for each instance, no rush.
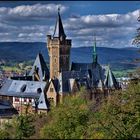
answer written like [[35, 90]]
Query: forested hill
[[117, 58]]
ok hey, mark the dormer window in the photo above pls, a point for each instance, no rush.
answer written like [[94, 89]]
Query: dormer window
[[39, 90], [23, 88]]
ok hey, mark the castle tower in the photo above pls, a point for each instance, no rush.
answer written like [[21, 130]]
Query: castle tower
[[58, 49]]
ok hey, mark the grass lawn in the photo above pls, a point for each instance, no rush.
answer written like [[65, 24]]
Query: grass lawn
[[123, 73], [9, 68]]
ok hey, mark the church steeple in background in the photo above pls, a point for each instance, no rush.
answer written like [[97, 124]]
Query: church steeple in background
[[59, 30], [94, 54]]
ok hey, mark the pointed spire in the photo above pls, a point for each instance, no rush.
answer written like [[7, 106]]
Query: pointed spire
[[40, 64], [94, 50], [59, 30], [110, 81]]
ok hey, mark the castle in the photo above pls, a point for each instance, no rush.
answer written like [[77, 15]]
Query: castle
[[43, 87]]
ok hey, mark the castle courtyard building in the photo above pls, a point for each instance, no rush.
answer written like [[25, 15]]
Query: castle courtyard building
[[45, 86]]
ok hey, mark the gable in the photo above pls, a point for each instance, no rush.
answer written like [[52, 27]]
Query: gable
[[51, 91], [41, 66], [73, 86]]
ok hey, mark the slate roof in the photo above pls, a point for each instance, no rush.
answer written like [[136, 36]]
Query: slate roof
[[110, 81], [59, 30], [80, 66], [66, 76], [56, 84], [42, 102], [41, 65], [29, 78], [6, 109], [21, 88], [100, 76], [71, 83]]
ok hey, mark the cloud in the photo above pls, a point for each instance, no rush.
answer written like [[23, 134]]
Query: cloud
[[34, 22], [30, 12], [108, 20], [112, 30], [27, 22], [35, 33]]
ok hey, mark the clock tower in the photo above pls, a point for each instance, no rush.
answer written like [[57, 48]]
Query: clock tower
[[58, 49]]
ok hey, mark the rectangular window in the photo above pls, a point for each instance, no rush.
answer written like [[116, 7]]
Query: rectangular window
[[51, 89], [25, 99], [16, 99], [30, 100]]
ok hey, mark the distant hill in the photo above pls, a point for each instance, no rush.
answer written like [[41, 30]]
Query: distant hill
[[122, 58]]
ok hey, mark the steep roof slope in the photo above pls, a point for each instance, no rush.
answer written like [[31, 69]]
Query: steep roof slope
[[43, 70]]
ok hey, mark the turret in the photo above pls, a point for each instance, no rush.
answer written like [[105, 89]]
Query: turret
[[59, 49], [59, 30]]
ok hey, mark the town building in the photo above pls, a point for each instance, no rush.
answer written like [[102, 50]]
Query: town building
[[44, 87], [6, 111]]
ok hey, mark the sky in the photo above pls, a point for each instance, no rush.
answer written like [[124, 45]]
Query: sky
[[113, 22]]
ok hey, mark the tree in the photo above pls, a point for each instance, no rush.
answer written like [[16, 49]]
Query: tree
[[24, 126], [4, 134], [116, 117], [136, 40], [68, 120], [119, 116]]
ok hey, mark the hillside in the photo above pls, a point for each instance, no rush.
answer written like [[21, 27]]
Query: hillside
[[122, 58]]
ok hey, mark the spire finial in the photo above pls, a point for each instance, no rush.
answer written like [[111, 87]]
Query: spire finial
[[94, 43], [59, 9], [94, 50]]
